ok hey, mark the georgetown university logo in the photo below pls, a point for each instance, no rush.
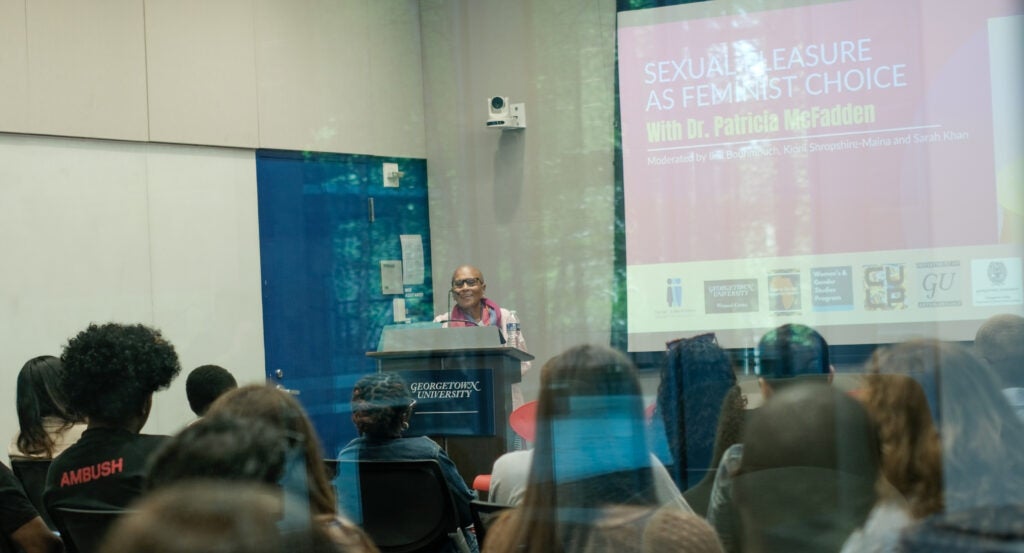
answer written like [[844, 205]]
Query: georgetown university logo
[[997, 281], [997, 273]]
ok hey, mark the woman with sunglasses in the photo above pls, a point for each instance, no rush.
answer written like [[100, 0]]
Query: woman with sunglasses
[[473, 309]]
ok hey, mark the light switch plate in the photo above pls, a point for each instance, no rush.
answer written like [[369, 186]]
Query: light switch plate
[[389, 180]]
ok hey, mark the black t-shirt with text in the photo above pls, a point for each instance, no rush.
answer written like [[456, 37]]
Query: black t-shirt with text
[[105, 469]]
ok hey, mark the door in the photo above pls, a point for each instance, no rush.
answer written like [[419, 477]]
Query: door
[[326, 223]]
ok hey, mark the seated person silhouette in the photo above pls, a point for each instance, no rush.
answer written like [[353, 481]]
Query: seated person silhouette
[[381, 408], [45, 426], [1000, 341], [205, 384], [979, 433], [788, 355], [696, 381], [305, 474], [212, 516], [110, 374], [591, 485], [222, 448], [811, 461], [21, 526]]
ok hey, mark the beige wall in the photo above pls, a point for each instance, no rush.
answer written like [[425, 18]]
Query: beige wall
[[532, 208], [93, 229], [326, 75], [99, 230]]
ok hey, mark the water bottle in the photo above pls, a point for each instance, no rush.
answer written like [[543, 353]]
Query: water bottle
[[512, 336]]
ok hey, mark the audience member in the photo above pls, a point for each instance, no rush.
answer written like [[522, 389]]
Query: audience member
[[911, 452], [980, 435], [1000, 341], [731, 421], [45, 426], [911, 487], [213, 516], [305, 475], [221, 447], [808, 473], [669, 531], [282, 411], [591, 487], [381, 408], [511, 471], [787, 355], [509, 476], [110, 374], [225, 447], [205, 384], [20, 524], [695, 380]]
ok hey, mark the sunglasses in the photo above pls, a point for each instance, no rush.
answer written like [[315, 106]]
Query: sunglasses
[[466, 282]]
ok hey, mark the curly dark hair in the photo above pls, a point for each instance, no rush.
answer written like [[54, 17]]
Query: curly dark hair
[[111, 370], [381, 404]]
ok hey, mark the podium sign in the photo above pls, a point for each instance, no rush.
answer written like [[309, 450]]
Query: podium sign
[[454, 354], [451, 402]]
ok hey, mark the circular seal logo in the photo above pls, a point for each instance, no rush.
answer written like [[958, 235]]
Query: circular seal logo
[[997, 272]]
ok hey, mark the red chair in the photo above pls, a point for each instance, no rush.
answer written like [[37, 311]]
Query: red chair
[[482, 483], [649, 412], [523, 421]]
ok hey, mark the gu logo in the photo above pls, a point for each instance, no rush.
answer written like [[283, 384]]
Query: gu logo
[[934, 282]]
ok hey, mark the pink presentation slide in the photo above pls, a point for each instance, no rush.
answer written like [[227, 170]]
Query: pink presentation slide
[[828, 129]]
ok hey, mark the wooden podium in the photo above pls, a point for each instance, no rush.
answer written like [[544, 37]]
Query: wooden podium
[[461, 348]]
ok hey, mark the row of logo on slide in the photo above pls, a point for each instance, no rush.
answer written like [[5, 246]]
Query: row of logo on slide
[[873, 287]]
